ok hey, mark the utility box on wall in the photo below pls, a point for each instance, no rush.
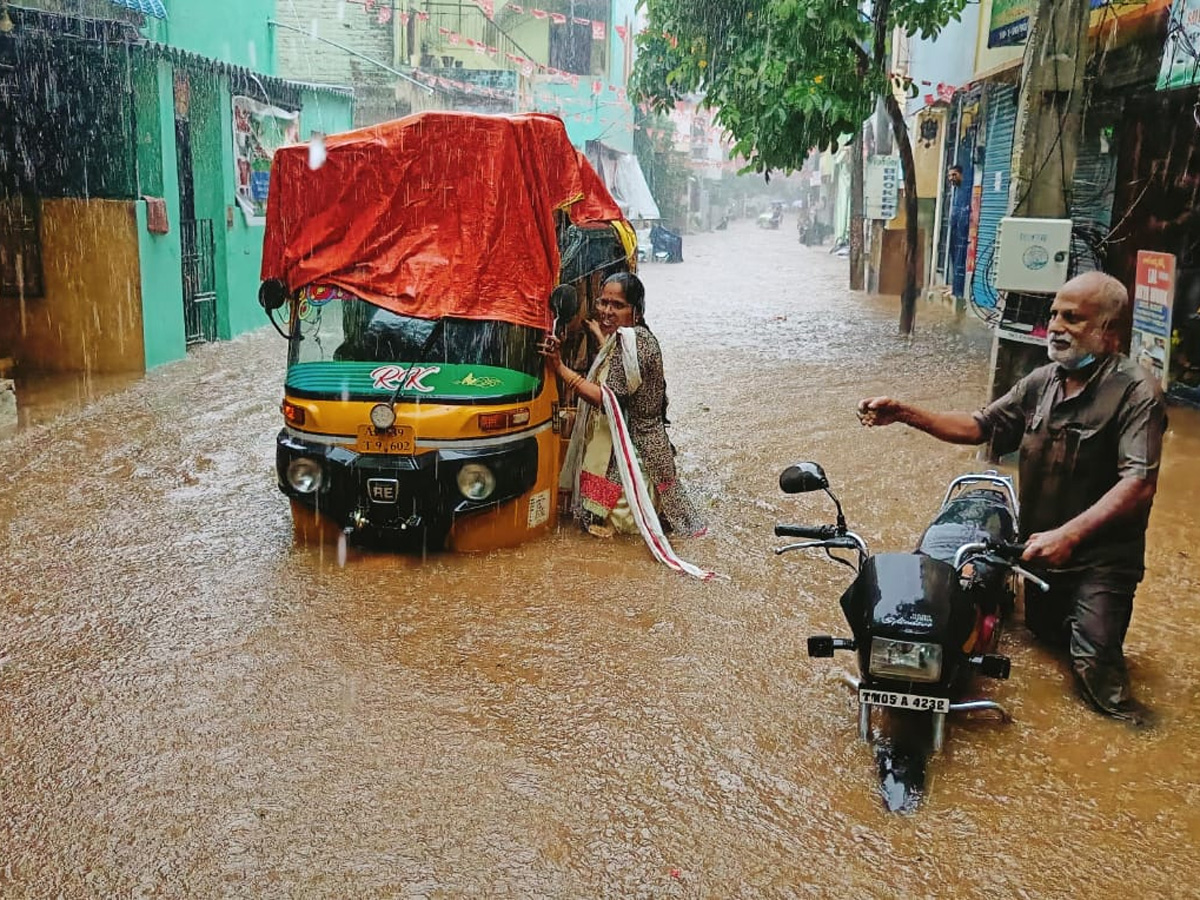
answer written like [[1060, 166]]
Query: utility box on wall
[[1032, 255]]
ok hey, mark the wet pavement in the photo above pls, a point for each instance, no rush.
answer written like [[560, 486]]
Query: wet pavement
[[193, 705]]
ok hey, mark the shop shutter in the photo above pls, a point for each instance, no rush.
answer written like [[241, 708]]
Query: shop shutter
[[993, 201], [1092, 196]]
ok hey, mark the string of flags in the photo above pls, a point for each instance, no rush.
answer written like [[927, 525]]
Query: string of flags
[[383, 10]]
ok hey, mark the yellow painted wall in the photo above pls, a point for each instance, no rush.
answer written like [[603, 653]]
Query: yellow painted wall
[[90, 319]]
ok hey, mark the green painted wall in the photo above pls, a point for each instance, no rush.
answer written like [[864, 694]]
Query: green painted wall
[[327, 113], [162, 283], [233, 31]]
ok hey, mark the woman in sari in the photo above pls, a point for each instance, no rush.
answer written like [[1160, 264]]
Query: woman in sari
[[626, 378]]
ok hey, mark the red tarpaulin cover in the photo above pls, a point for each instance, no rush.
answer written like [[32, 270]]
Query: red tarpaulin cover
[[437, 214]]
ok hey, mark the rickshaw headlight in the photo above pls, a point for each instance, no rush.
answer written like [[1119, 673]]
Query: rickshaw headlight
[[383, 416], [476, 482], [305, 475]]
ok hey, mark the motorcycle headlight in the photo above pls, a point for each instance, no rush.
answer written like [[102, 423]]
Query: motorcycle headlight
[[304, 475], [905, 660], [476, 482]]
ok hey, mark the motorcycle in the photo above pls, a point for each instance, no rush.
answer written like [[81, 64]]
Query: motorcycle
[[924, 623], [666, 245]]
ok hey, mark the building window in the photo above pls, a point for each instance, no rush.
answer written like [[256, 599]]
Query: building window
[[573, 47], [20, 248]]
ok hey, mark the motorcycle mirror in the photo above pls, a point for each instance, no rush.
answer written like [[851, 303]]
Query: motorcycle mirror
[[564, 303], [802, 478], [272, 294]]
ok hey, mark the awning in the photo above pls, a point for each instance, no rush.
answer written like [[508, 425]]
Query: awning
[[623, 176], [146, 7]]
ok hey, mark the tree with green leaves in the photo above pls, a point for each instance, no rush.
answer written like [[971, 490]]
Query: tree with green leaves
[[786, 77], [665, 167]]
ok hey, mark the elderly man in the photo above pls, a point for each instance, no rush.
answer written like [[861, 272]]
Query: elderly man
[[1089, 427]]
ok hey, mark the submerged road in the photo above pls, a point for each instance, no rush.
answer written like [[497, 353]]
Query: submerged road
[[191, 704]]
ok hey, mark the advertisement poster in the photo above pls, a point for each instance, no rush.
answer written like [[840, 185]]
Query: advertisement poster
[[1009, 24], [1153, 298], [258, 131], [1180, 62]]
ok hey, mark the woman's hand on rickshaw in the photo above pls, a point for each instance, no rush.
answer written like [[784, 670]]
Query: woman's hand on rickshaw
[[551, 348], [595, 331]]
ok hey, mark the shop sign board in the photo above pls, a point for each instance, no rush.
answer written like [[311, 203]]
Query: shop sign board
[[881, 187], [1153, 298], [1180, 66]]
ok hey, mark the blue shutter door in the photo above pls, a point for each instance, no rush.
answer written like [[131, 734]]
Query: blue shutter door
[[993, 202]]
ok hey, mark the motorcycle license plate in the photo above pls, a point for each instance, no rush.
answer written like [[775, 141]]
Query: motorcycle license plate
[[904, 701], [398, 442]]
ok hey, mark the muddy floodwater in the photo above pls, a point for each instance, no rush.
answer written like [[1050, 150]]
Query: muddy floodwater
[[191, 704]]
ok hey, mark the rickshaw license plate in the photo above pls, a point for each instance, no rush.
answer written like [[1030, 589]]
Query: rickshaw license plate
[[904, 701], [397, 442]]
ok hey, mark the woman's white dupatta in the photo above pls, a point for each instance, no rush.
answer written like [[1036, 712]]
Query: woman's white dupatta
[[637, 493]]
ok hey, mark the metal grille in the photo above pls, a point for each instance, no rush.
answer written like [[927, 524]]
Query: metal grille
[[993, 201], [199, 281]]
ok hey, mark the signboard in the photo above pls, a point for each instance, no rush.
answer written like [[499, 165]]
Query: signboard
[[1180, 64], [1009, 24], [881, 187], [258, 131], [1153, 298]]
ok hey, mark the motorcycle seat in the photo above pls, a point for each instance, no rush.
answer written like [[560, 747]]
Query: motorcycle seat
[[976, 515]]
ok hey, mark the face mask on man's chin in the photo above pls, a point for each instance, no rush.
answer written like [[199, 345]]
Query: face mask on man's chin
[[1074, 365]]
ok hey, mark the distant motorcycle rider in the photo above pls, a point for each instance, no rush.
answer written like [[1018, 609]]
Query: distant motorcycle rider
[[1089, 427]]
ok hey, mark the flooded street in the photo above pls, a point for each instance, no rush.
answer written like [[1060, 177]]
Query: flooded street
[[192, 704]]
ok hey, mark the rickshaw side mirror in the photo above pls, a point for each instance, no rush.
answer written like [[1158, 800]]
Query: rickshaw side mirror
[[803, 478], [272, 294], [564, 303]]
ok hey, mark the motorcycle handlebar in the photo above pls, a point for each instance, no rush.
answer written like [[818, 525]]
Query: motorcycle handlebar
[[1007, 551], [813, 532]]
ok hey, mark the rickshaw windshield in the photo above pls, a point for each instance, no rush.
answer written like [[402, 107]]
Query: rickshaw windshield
[[355, 331]]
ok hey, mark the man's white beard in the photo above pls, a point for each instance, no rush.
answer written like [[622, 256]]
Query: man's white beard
[[1071, 356]]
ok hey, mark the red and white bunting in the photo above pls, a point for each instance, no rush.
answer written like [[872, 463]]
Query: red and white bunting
[[422, 17], [574, 81], [385, 15], [597, 87], [442, 30], [454, 38], [598, 30], [538, 13], [579, 20], [622, 31], [488, 7], [558, 18], [517, 9], [527, 68], [404, 18]]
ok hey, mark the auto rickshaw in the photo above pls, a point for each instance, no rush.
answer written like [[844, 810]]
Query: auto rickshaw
[[413, 273]]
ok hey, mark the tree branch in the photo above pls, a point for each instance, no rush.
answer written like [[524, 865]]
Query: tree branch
[[864, 61], [880, 14]]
